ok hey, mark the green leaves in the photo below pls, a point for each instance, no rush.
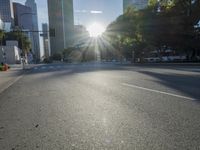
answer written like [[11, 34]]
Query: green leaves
[[165, 23], [2, 34], [24, 42]]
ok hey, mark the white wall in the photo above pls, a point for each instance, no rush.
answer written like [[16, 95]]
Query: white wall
[[12, 54]]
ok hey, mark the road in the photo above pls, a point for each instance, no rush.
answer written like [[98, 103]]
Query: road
[[98, 106]]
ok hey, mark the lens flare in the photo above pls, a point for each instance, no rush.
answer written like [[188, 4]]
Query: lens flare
[[95, 30]]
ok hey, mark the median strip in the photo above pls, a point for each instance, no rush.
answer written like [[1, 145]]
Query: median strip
[[157, 91]]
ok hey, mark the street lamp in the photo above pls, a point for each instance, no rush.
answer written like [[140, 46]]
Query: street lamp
[[4, 55], [21, 29]]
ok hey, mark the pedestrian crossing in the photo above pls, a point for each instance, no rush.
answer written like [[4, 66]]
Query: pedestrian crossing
[[49, 67]]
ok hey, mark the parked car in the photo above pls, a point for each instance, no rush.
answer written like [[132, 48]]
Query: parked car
[[152, 59]]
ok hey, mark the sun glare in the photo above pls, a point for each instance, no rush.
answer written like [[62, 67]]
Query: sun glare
[[95, 30]]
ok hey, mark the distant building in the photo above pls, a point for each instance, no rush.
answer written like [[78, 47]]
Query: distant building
[[61, 23], [36, 41], [10, 54], [1, 25], [46, 39], [12, 43], [22, 16], [81, 35], [24, 21], [6, 13], [138, 4]]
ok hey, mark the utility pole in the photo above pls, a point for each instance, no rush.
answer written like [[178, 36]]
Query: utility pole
[[21, 29]]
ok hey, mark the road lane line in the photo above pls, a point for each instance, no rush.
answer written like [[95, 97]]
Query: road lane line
[[157, 91], [10, 83]]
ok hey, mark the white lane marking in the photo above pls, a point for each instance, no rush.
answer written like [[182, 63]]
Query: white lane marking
[[11, 83], [43, 67], [157, 91]]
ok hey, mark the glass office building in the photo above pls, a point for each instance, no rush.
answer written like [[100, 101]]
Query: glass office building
[[6, 14], [61, 21], [22, 16], [6, 10], [36, 38]]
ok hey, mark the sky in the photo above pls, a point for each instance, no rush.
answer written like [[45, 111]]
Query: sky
[[104, 12], [86, 12]]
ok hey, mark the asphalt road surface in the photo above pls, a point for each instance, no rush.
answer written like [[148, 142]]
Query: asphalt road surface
[[99, 107]]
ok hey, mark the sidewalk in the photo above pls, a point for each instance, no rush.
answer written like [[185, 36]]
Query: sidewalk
[[7, 78]]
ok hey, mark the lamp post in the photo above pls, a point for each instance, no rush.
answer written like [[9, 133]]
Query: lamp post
[[4, 55], [21, 29]]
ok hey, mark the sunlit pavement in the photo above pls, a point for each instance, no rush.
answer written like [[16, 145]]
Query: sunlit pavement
[[98, 106]]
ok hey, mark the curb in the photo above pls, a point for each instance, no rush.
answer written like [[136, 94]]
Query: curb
[[10, 83]]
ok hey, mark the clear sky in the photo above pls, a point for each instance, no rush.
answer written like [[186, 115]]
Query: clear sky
[[102, 11]]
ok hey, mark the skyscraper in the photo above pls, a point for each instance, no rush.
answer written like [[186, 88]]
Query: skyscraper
[[138, 4], [6, 13], [36, 43], [23, 19], [61, 20], [22, 16]]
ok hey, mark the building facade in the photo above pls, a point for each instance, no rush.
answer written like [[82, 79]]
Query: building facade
[[10, 54], [1, 24], [22, 16], [23, 20], [36, 42], [61, 22], [81, 35], [138, 4], [46, 43], [6, 13]]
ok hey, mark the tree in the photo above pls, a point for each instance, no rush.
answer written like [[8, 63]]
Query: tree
[[24, 42], [2, 34], [162, 25], [123, 33]]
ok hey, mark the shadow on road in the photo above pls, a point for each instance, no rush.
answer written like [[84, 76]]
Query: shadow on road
[[187, 84], [190, 85]]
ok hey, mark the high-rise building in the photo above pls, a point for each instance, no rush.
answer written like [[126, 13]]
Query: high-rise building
[[22, 16], [80, 34], [1, 24], [138, 4], [36, 42], [23, 20], [61, 22], [46, 42], [6, 13]]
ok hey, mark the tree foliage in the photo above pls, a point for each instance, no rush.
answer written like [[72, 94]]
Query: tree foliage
[[163, 24], [24, 42], [2, 34]]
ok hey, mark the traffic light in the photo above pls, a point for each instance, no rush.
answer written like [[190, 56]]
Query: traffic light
[[52, 32]]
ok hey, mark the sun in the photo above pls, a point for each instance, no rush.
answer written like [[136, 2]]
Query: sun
[[95, 30]]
